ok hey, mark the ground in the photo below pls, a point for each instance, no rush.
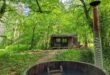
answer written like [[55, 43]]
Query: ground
[[50, 55], [15, 63]]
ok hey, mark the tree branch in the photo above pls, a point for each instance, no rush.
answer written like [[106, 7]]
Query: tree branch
[[40, 9], [86, 11], [3, 9]]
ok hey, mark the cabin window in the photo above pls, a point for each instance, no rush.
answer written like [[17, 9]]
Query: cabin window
[[64, 40], [58, 40]]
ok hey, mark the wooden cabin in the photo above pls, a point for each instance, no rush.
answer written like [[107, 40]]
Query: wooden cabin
[[63, 41]]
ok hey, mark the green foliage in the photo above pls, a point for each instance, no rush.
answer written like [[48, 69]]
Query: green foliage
[[17, 48], [107, 65], [83, 55], [106, 52], [69, 55], [17, 63], [34, 31], [105, 28], [87, 56]]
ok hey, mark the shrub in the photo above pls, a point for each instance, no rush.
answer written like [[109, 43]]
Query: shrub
[[69, 55], [107, 65], [87, 56], [17, 48]]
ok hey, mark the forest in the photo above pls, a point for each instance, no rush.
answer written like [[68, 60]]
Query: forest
[[26, 27]]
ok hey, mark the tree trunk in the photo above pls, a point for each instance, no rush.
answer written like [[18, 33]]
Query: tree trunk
[[3, 9], [86, 12], [86, 41], [33, 37], [40, 10]]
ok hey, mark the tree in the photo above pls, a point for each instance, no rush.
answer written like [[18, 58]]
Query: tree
[[3, 8]]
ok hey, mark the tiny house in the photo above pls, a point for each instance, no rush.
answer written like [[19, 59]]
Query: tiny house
[[63, 41]]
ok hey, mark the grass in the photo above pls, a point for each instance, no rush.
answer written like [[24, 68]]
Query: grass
[[68, 55], [107, 65], [83, 55], [15, 63]]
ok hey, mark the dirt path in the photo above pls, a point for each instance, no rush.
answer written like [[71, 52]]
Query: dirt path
[[50, 55]]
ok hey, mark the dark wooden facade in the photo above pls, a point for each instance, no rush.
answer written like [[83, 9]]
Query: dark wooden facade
[[63, 41]]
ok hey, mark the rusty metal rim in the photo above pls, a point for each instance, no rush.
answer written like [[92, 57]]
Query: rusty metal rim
[[104, 71]]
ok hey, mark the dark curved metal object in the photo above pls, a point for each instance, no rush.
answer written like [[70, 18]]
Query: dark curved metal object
[[64, 68], [95, 3]]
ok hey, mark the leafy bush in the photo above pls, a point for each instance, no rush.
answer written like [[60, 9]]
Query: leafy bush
[[16, 63], [106, 52], [69, 55], [17, 48], [87, 56], [107, 65], [83, 55]]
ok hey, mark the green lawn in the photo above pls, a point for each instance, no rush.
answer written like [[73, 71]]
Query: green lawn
[[16, 63]]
